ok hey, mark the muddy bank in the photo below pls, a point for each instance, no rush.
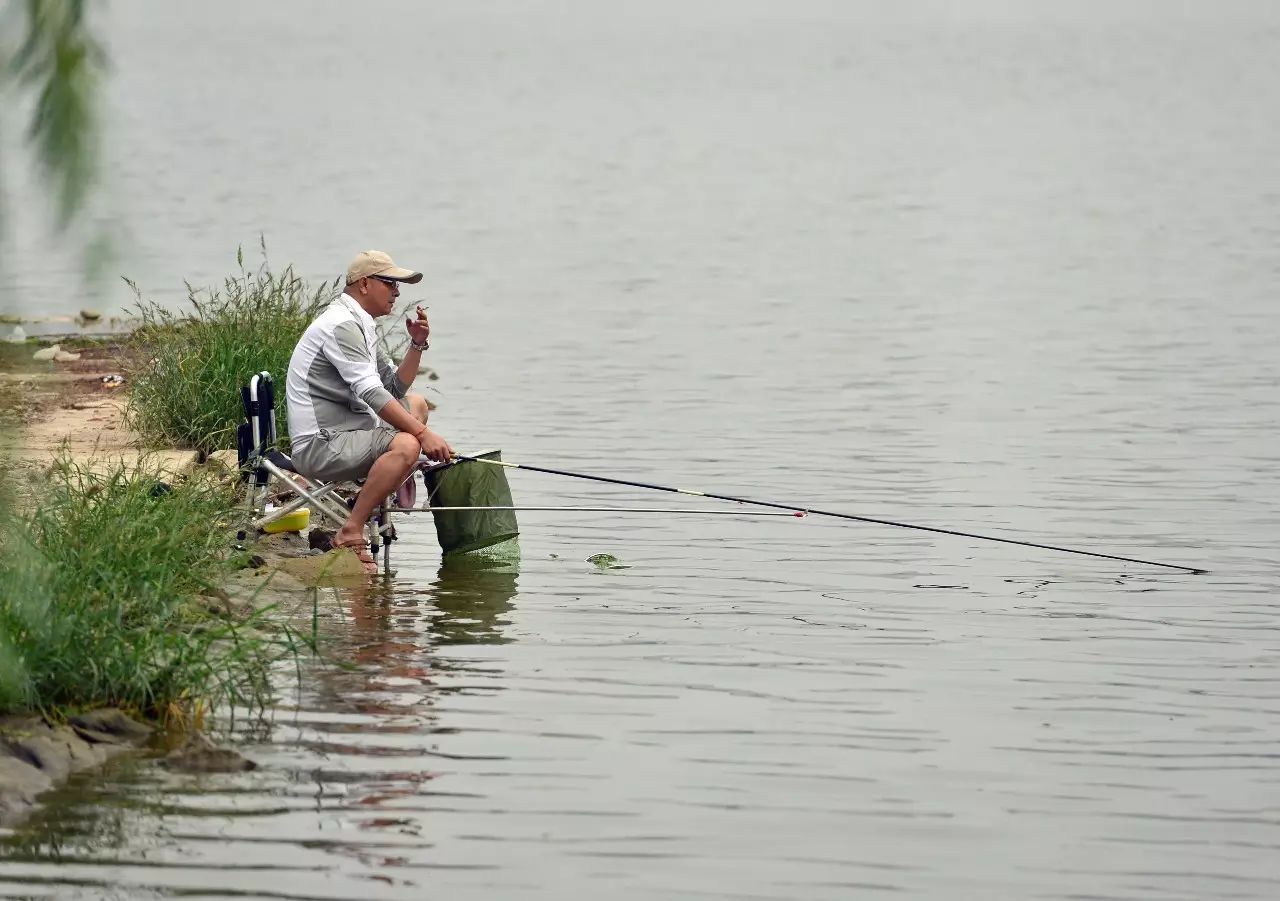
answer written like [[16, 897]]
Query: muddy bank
[[36, 755], [73, 406]]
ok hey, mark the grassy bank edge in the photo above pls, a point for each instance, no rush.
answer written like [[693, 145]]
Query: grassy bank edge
[[110, 596], [128, 567]]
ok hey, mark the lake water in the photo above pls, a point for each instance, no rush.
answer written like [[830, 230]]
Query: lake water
[[1004, 267]]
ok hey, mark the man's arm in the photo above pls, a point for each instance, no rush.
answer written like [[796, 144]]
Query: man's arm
[[350, 356], [398, 380], [432, 444], [409, 366], [394, 379], [419, 331], [346, 350]]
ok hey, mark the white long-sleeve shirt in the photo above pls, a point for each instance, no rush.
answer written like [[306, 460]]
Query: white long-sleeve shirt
[[338, 375]]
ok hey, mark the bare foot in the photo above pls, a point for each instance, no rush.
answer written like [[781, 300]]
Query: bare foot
[[360, 548], [347, 535]]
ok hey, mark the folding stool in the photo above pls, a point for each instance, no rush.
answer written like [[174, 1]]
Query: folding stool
[[262, 462]]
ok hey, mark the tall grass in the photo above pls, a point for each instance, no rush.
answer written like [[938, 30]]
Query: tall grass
[[100, 583], [19, 592], [186, 368]]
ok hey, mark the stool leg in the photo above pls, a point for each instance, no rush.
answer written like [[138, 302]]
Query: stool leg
[[386, 543]]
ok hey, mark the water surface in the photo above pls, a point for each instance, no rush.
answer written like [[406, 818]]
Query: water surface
[[1004, 268]]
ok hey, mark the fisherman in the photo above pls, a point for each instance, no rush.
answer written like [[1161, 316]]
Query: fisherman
[[351, 415]]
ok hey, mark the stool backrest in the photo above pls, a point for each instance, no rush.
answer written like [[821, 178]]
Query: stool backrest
[[257, 434]]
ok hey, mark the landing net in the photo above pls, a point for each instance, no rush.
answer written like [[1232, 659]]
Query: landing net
[[471, 484]]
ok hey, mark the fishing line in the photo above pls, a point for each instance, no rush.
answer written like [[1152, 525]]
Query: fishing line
[[847, 516]]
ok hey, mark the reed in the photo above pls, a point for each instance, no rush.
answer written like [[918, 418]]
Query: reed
[[185, 367]]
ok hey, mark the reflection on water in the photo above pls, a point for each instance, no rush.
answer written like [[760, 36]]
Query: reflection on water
[[472, 596], [466, 603], [360, 742], [386, 633], [80, 819]]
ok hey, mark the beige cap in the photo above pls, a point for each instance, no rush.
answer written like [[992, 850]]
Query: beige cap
[[375, 262]]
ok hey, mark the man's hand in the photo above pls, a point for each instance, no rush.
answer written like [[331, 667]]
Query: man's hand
[[419, 328], [435, 447]]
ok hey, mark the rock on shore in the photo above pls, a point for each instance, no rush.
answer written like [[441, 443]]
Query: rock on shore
[[35, 755]]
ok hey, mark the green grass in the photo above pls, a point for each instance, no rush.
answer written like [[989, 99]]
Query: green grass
[[186, 368], [100, 586]]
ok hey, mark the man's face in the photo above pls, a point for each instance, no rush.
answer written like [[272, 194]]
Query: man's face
[[382, 293]]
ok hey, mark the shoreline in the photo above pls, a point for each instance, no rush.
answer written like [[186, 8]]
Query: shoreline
[[52, 410], [56, 406]]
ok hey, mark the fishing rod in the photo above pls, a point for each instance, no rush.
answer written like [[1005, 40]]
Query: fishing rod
[[428, 509], [848, 516]]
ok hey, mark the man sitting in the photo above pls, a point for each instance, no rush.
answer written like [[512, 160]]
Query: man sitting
[[350, 414]]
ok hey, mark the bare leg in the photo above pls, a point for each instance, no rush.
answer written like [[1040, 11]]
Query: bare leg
[[417, 405], [387, 473]]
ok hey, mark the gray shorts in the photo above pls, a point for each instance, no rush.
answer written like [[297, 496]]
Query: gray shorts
[[342, 456]]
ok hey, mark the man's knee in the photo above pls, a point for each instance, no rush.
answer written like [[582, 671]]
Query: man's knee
[[417, 406], [404, 448]]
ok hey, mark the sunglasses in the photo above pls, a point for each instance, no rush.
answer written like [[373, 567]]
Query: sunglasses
[[389, 282]]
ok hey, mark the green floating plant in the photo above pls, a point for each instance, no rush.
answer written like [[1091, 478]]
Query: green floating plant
[[607, 561]]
